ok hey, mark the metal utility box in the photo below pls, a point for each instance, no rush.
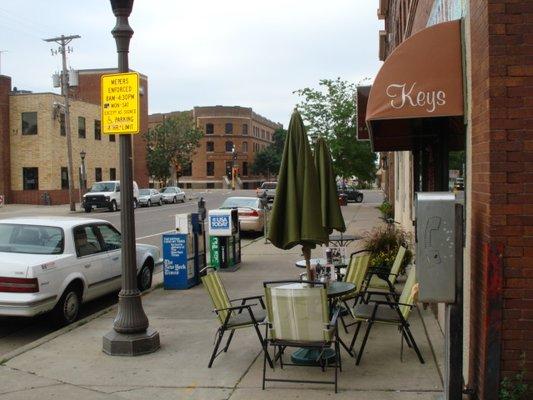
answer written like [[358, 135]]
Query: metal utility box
[[436, 251], [223, 222], [184, 223]]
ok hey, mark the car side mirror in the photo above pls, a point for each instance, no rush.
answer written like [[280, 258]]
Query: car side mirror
[[117, 189]]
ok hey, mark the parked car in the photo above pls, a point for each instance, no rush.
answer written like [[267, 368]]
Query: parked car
[[148, 197], [251, 212], [173, 194], [106, 194], [352, 194], [269, 188], [54, 264]]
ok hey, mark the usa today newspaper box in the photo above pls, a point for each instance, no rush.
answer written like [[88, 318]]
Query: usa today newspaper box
[[224, 239]]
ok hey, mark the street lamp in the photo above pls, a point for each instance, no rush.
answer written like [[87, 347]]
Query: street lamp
[[233, 167], [83, 174], [131, 334]]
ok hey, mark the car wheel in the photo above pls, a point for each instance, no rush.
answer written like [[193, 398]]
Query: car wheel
[[160, 202], [183, 199], [135, 204], [67, 308], [174, 200], [359, 198], [113, 206], [88, 209], [144, 280], [149, 204]]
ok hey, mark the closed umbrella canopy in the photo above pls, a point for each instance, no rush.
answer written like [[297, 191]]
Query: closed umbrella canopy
[[329, 200], [296, 213]]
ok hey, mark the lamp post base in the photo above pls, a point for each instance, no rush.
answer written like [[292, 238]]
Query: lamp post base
[[131, 344]]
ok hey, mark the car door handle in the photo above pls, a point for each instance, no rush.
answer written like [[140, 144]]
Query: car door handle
[[87, 265], [115, 258]]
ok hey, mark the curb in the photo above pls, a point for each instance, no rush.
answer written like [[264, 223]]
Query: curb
[[47, 338]]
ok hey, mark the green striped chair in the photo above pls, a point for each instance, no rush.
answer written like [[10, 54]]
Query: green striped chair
[[355, 274], [230, 316], [390, 313], [386, 284], [298, 315]]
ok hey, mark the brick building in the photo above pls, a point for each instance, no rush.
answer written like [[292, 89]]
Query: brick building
[[33, 155], [492, 60], [224, 128]]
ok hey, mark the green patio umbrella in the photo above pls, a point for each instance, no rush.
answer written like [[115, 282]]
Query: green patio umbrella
[[296, 213], [329, 199]]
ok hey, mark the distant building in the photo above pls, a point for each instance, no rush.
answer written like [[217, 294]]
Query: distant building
[[224, 127], [33, 155]]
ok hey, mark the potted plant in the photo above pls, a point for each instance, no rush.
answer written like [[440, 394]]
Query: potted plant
[[383, 244]]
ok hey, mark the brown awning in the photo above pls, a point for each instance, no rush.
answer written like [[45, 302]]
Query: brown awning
[[421, 79], [361, 99]]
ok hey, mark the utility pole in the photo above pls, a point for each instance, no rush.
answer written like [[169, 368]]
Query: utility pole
[[63, 41]]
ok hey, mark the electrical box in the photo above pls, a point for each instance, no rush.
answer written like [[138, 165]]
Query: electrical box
[[223, 222], [184, 223], [436, 248]]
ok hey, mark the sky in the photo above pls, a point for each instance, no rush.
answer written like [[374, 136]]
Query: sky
[[251, 53]]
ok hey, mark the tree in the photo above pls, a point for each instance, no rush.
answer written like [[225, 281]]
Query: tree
[[266, 162], [171, 143], [331, 112]]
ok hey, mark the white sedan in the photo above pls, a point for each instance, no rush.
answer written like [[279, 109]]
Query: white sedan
[[173, 194], [250, 210], [57, 263]]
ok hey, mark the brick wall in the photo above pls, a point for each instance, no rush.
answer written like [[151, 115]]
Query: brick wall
[[502, 191]]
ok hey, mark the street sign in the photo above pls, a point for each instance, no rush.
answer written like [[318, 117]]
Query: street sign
[[120, 103]]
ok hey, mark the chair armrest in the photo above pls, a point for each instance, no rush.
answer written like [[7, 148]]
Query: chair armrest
[[333, 322], [391, 303], [243, 300], [357, 252], [234, 308]]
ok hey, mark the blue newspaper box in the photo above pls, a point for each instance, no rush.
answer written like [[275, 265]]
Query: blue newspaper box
[[179, 270]]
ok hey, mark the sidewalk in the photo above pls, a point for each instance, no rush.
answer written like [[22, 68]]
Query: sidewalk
[[72, 365]]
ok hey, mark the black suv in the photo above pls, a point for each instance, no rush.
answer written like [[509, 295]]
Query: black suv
[[352, 194]]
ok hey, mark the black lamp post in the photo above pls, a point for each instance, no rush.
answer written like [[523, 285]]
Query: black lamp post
[[83, 174], [131, 334]]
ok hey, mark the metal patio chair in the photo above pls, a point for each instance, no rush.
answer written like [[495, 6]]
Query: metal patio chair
[[391, 313], [230, 316], [299, 316], [355, 274], [381, 280]]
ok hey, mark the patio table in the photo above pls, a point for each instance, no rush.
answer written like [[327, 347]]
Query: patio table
[[343, 240], [322, 261]]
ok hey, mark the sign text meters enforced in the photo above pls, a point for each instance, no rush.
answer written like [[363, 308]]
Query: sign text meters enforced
[[120, 103]]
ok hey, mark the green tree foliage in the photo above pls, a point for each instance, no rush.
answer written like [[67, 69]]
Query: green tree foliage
[[268, 160], [171, 143], [331, 111]]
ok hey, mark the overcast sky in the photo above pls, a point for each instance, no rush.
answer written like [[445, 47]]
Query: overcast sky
[[251, 53]]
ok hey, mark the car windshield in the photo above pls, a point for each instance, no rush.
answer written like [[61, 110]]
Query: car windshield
[[233, 202], [31, 239], [103, 187], [169, 190], [269, 185], [144, 192]]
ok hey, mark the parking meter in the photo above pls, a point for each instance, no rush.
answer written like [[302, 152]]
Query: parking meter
[[201, 208]]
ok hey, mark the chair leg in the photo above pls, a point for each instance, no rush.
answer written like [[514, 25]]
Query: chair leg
[[412, 339], [265, 352], [229, 340], [370, 323], [352, 343], [219, 339], [337, 362], [407, 340], [262, 342], [344, 324]]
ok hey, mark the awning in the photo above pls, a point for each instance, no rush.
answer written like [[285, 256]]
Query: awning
[[361, 100], [421, 79]]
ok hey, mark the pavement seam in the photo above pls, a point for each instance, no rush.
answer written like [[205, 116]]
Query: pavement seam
[[243, 375], [30, 388]]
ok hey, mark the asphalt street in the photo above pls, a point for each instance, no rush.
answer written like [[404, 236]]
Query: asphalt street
[[150, 224]]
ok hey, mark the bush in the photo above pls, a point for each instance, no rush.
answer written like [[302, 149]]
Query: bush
[[386, 210], [383, 244]]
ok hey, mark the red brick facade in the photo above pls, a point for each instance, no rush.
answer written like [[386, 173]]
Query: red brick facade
[[500, 79], [502, 189]]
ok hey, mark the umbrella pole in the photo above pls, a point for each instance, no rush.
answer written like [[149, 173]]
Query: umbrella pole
[[307, 255]]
